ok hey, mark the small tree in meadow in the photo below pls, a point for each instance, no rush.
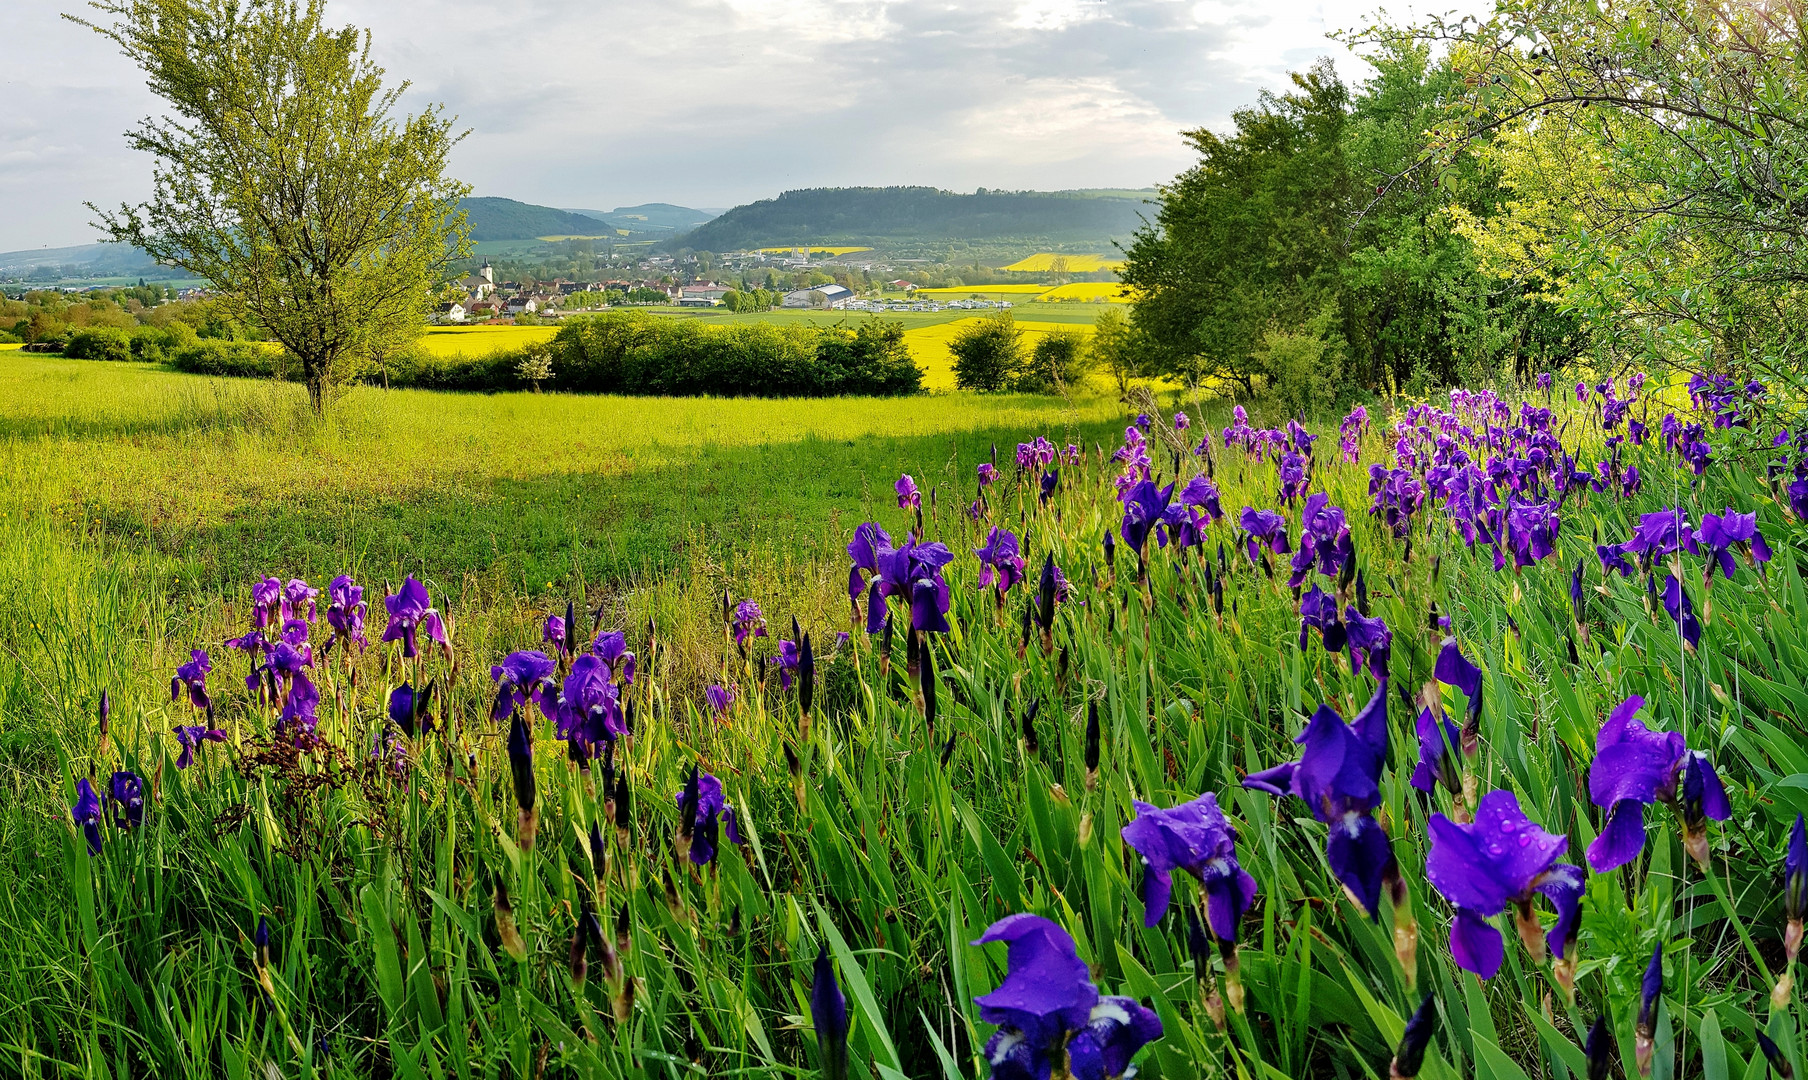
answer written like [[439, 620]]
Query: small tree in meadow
[[987, 353], [284, 176], [1057, 361]]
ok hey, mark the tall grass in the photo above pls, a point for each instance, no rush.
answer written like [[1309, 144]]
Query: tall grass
[[385, 955]]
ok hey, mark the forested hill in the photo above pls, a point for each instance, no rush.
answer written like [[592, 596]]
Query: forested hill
[[870, 215], [506, 219]]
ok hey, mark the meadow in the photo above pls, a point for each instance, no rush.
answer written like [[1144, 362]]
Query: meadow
[[753, 857]]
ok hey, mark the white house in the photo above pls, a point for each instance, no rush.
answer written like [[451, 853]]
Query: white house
[[822, 296], [702, 295], [452, 313], [519, 304]]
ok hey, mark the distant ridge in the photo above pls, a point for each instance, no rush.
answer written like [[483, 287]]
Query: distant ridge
[[651, 217], [506, 219], [875, 215]]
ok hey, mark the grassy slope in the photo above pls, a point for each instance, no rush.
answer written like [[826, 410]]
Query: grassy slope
[[508, 500], [379, 896]]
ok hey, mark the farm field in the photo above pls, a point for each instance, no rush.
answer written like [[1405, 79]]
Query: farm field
[[927, 333], [354, 891], [1044, 262]]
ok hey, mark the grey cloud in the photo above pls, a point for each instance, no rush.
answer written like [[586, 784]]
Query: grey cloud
[[716, 102]]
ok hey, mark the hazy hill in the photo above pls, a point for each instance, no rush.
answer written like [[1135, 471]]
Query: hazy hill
[[876, 215], [505, 219], [650, 217], [81, 261]]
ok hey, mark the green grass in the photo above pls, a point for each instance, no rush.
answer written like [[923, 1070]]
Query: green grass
[[138, 505]]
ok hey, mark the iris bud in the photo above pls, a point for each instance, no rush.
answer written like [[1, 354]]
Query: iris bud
[[1092, 745], [1599, 1050], [828, 1013], [1417, 1039], [521, 767], [1773, 1053]]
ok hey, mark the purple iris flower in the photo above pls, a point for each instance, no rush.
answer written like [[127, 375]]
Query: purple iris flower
[[1144, 505], [553, 632], [266, 601], [1544, 381], [1047, 1004], [1722, 534], [1613, 559], [611, 647], [787, 660], [1201, 492], [1438, 743], [909, 498], [1265, 528], [1143, 421], [345, 611], [1795, 889], [193, 675], [1498, 861], [1338, 776], [1531, 531], [1293, 475], [1000, 561], [1681, 611], [296, 593], [587, 709], [1454, 669], [190, 737], [301, 705], [711, 806], [1318, 608], [86, 813], [1635, 767], [869, 540], [988, 472], [1326, 533], [125, 800], [1661, 533], [410, 611], [520, 678], [1182, 421], [1193, 837], [1370, 642], [720, 698], [749, 621]]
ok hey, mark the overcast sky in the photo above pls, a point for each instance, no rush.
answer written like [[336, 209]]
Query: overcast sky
[[711, 103]]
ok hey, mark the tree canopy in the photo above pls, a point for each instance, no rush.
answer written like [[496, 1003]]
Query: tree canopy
[[284, 177]]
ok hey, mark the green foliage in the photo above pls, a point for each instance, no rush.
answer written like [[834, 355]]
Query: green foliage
[[1277, 223], [1654, 162], [1300, 368], [1113, 349], [283, 177], [240, 359], [98, 343], [987, 353], [1056, 362]]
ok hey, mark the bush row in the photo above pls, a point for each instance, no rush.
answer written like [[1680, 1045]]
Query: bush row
[[628, 352]]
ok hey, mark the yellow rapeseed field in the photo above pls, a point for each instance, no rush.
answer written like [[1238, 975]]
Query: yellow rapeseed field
[[1088, 292], [477, 340], [1047, 261], [929, 345]]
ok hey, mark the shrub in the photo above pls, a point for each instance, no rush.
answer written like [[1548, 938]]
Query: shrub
[[98, 343], [1301, 366], [246, 359], [987, 353], [1059, 360]]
